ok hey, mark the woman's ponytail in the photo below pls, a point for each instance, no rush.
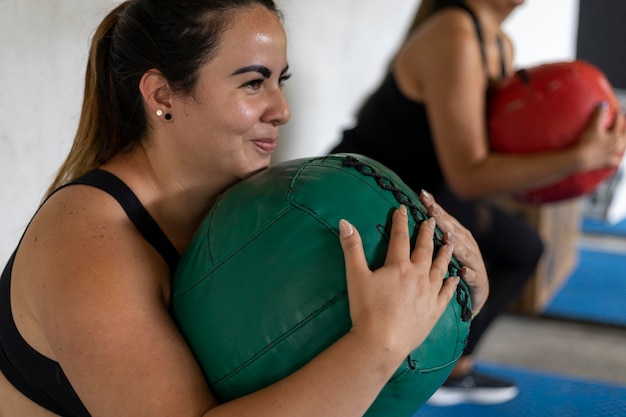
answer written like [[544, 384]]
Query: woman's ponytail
[[97, 129]]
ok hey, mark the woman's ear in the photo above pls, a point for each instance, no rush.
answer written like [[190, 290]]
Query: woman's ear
[[156, 93]]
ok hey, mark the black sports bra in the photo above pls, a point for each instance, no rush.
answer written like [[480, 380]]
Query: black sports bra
[[34, 375]]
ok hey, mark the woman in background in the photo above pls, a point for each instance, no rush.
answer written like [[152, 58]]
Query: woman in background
[[426, 121]]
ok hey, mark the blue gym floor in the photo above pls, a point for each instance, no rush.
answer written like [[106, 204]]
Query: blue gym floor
[[594, 226], [543, 395], [596, 290], [594, 293]]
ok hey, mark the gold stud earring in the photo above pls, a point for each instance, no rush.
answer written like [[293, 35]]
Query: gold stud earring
[[159, 112]]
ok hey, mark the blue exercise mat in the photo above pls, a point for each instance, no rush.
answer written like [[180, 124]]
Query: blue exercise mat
[[601, 227], [595, 292], [543, 394]]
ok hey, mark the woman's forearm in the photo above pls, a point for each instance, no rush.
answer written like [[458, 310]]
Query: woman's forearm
[[342, 381]]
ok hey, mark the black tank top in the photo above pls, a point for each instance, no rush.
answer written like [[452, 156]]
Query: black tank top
[[34, 375], [394, 129]]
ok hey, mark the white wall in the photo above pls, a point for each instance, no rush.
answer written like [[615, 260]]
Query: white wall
[[338, 50], [543, 31]]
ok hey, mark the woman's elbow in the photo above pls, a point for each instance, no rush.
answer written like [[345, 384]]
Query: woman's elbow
[[467, 189]]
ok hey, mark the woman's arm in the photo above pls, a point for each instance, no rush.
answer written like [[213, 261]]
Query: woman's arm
[[102, 309]]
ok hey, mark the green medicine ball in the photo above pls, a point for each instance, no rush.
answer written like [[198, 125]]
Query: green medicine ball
[[261, 289]]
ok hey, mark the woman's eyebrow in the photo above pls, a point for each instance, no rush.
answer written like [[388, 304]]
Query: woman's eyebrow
[[263, 70]]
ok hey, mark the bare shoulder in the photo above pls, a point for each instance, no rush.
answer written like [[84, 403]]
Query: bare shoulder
[[80, 250], [444, 48], [450, 26], [82, 230], [99, 295]]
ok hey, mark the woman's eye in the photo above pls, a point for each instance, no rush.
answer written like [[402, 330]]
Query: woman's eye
[[254, 84], [281, 80]]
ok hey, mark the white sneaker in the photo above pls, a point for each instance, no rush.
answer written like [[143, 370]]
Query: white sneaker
[[474, 388]]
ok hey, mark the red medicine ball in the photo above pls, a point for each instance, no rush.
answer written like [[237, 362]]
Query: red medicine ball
[[546, 108]]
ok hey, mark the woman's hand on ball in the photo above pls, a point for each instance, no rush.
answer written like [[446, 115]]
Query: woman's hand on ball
[[394, 308], [599, 146], [466, 250]]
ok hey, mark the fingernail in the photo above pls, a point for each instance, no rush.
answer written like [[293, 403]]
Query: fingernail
[[449, 237], [345, 229], [431, 222], [436, 209], [402, 209], [426, 195], [450, 248]]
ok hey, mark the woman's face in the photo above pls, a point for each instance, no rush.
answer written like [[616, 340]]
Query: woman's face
[[229, 125]]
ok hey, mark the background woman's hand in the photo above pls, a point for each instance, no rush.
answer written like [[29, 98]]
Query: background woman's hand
[[394, 308], [466, 250], [599, 146]]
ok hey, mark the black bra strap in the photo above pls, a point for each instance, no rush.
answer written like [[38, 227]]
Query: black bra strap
[[479, 30], [481, 39], [502, 63], [136, 212]]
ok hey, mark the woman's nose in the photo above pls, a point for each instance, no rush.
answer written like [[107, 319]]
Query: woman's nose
[[278, 112]]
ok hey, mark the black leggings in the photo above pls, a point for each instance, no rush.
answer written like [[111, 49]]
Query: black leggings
[[510, 247]]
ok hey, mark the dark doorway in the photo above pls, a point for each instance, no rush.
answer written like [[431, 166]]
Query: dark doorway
[[602, 37]]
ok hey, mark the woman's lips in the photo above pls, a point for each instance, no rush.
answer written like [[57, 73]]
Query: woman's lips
[[266, 145]]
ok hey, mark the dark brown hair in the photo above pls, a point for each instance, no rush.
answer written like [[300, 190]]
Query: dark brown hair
[[426, 9]]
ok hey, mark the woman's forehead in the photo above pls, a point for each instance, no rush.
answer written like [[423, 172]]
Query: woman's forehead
[[255, 32]]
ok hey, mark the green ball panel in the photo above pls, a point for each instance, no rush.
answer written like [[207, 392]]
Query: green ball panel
[[261, 289], [277, 309]]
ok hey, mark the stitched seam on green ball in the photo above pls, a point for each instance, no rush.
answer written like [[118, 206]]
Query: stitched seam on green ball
[[354, 174], [282, 337], [395, 379], [291, 330], [241, 247], [416, 207]]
